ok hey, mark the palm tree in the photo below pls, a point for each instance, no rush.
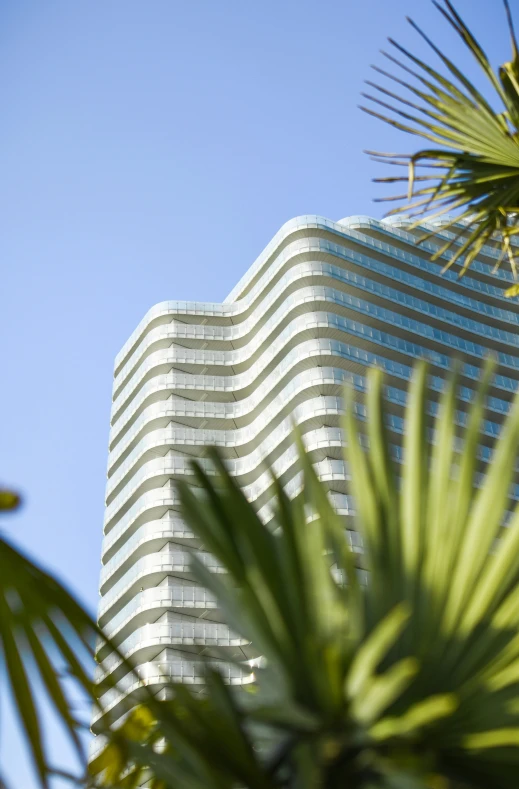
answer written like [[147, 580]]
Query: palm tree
[[400, 670], [472, 166]]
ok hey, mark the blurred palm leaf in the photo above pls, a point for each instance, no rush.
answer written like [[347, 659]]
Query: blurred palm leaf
[[193, 742], [472, 169], [405, 674], [46, 639]]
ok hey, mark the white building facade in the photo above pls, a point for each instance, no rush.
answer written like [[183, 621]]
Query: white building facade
[[323, 302]]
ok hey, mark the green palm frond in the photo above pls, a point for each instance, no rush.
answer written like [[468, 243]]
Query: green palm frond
[[399, 670], [47, 641], [9, 500], [472, 166], [193, 742]]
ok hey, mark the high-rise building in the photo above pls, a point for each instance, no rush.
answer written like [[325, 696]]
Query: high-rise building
[[323, 301]]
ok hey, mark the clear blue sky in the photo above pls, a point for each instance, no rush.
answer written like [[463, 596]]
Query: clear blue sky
[[149, 151]]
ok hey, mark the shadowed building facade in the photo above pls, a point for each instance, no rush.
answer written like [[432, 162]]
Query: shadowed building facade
[[322, 303]]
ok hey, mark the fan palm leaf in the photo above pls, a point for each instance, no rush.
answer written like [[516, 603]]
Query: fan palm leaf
[[402, 672], [472, 166], [47, 641]]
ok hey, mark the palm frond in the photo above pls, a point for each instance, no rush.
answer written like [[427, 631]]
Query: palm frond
[[205, 745], [476, 157], [400, 670], [47, 639]]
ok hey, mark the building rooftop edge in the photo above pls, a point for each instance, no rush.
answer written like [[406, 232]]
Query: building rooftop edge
[[347, 221], [292, 224]]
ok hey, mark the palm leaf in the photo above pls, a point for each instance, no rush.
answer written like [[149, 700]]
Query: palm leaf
[[45, 635], [402, 674], [476, 158], [206, 744]]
